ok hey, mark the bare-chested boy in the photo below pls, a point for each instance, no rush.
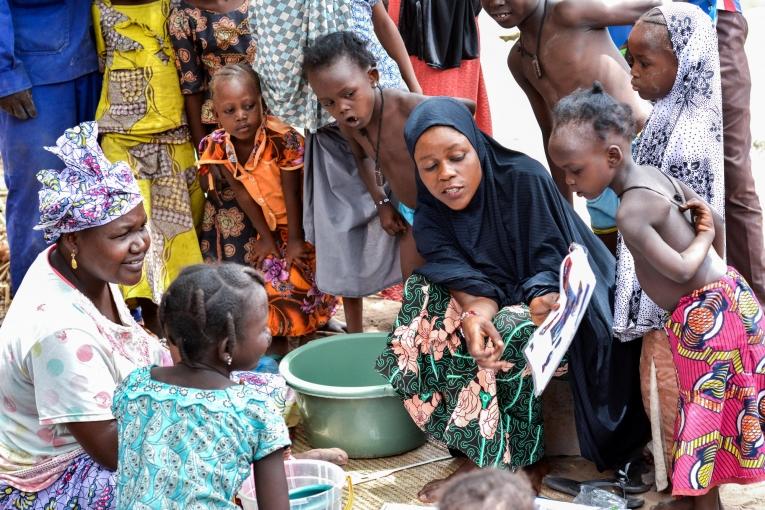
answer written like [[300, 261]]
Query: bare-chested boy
[[342, 73], [564, 45]]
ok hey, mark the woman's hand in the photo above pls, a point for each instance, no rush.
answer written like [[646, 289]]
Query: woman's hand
[[263, 248], [391, 220], [541, 306], [484, 343], [703, 220], [297, 252]]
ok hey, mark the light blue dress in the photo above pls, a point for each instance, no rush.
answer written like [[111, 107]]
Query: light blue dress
[[186, 448]]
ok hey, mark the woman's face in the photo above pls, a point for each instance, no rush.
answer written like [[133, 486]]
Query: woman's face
[[652, 60], [448, 166], [114, 252]]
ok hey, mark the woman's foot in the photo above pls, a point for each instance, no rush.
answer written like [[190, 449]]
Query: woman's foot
[[431, 491], [333, 455]]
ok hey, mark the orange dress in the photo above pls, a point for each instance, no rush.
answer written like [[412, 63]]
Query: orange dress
[[296, 306]]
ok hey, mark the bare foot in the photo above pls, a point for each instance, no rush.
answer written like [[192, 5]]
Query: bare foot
[[431, 491], [333, 455]]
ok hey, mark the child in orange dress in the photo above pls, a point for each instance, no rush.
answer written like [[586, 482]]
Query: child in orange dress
[[252, 172]]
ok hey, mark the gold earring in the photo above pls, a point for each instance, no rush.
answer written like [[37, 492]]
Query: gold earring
[[74, 262]]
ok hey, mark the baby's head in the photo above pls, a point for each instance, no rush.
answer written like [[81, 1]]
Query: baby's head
[[217, 316], [342, 73], [237, 100], [651, 57], [591, 138], [509, 13], [488, 489]]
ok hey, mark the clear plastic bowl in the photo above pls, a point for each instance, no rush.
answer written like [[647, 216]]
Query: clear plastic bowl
[[302, 473]]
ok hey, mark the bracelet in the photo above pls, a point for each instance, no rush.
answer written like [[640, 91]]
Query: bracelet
[[382, 202], [467, 314]]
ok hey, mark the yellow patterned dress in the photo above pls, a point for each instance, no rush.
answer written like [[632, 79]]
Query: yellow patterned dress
[[141, 116]]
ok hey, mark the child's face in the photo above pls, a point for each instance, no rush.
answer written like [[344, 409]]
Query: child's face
[[237, 104], [346, 91], [509, 13], [255, 337], [652, 60], [587, 161], [448, 165]]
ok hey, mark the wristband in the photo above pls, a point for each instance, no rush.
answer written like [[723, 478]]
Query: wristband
[[382, 202]]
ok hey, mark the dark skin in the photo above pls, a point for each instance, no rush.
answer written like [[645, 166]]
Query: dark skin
[[238, 106], [673, 257], [575, 51], [111, 253], [351, 95], [211, 370], [653, 63], [449, 166], [193, 102]]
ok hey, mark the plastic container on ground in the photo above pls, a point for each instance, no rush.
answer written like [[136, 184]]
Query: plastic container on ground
[[344, 402], [304, 473]]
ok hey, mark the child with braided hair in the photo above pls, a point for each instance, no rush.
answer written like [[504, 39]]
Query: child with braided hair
[[188, 434]]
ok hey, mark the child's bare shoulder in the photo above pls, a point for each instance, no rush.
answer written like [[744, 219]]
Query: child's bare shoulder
[[404, 101], [640, 207]]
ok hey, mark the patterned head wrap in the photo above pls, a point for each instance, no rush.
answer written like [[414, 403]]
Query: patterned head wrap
[[89, 192]]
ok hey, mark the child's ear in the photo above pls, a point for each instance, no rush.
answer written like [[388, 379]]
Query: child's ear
[[374, 75], [615, 155], [225, 348]]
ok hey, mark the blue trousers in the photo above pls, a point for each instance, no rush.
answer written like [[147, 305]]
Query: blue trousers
[[59, 106]]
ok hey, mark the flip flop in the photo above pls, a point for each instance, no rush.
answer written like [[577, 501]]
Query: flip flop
[[573, 487]]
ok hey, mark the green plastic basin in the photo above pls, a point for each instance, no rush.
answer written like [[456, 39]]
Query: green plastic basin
[[344, 402]]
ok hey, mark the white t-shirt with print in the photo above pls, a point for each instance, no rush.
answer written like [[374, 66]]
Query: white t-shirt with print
[[61, 360]]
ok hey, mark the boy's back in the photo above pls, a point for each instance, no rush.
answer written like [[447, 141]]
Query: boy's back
[[656, 232]]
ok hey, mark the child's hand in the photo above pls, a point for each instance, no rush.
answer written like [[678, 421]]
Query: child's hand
[[297, 252], [263, 248], [541, 306], [391, 220], [703, 221]]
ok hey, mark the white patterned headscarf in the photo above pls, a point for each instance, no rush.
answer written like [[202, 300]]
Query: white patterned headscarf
[[683, 137], [90, 191]]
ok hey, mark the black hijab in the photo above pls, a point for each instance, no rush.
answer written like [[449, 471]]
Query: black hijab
[[507, 245]]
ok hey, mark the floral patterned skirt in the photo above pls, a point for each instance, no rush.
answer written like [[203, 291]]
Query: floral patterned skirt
[[84, 484], [492, 417], [295, 306]]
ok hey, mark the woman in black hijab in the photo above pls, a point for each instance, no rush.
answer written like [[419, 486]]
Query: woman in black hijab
[[494, 230]]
